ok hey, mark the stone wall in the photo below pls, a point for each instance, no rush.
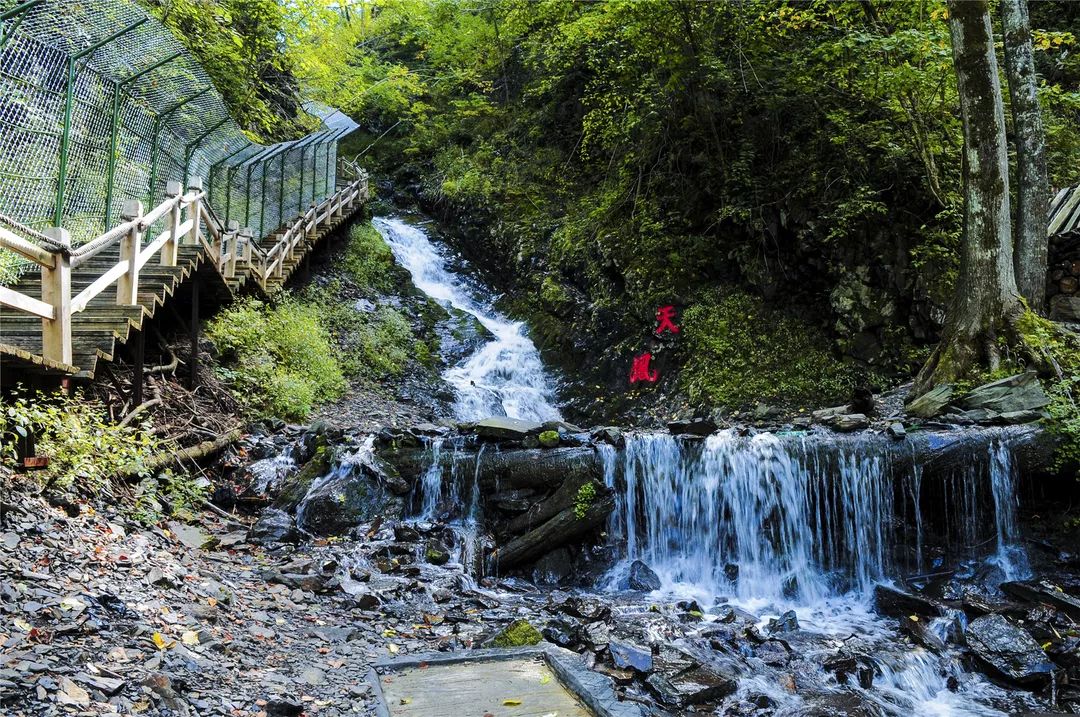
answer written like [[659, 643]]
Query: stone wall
[[1063, 279]]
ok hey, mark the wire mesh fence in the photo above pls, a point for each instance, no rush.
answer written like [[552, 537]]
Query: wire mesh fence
[[100, 103]]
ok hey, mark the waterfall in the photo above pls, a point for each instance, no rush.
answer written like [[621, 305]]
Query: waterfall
[[794, 519], [505, 376]]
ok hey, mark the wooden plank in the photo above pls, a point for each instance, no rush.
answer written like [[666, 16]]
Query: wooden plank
[[152, 248], [28, 304], [97, 286]]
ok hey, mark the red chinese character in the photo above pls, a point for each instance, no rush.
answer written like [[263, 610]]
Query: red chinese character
[[664, 316], [640, 370]]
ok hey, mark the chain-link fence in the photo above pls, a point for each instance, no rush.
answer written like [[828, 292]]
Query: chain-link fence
[[100, 103]]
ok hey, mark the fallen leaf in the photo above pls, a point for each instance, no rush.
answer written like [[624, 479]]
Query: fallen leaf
[[511, 703], [392, 648], [161, 642], [190, 637], [545, 679], [406, 700]]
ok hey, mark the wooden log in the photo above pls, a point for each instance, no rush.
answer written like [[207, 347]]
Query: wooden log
[[544, 510], [564, 528], [192, 454]]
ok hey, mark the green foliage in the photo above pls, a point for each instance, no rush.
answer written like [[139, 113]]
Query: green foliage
[[167, 495], [368, 261], [519, 633], [740, 351], [1061, 350], [85, 451], [584, 499], [279, 359]]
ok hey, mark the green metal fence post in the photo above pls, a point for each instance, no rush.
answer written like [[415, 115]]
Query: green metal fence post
[[114, 129], [156, 142], [213, 168], [69, 107], [189, 150]]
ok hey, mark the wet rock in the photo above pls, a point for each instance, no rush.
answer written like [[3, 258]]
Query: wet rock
[[1008, 650], [643, 578], [548, 439], [555, 568], [436, 553], [273, 526], [626, 655], [788, 622], [597, 634], [519, 633], [773, 653], [561, 633], [824, 414], [846, 665], [932, 402], [284, 708], [343, 499], [921, 634], [1045, 593], [610, 435], [692, 687], [1022, 392], [693, 427], [847, 422], [899, 603], [504, 428], [896, 430]]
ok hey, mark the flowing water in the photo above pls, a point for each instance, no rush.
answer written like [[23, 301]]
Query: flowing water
[[505, 376]]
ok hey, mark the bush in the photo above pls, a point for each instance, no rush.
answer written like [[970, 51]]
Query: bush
[[739, 352], [83, 449], [368, 261], [282, 360]]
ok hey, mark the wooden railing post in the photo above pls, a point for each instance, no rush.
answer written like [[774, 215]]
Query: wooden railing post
[[194, 211], [246, 238], [168, 252], [231, 240], [127, 286], [56, 291]]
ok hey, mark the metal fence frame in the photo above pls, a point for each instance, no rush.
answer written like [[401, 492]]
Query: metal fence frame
[[101, 103]]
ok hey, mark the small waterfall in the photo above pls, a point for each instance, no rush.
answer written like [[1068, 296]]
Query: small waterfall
[[795, 519], [342, 469], [431, 481], [269, 472], [505, 376]]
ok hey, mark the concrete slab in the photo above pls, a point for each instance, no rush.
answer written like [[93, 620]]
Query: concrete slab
[[540, 681]]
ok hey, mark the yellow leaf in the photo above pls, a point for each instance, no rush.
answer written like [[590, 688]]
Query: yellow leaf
[[545, 679], [161, 642], [913, 618], [190, 637], [511, 703], [392, 648]]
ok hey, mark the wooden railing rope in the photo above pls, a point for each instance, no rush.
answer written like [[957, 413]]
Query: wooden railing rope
[[230, 248]]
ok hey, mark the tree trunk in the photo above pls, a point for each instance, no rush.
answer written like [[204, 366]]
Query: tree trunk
[[985, 304], [1032, 190]]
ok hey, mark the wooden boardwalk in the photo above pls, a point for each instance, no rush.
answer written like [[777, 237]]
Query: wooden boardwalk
[[65, 318]]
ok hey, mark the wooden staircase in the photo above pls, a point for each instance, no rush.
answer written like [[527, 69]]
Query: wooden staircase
[[226, 259]]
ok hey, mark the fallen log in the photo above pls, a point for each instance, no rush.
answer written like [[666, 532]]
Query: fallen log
[[565, 527], [542, 511], [192, 454]]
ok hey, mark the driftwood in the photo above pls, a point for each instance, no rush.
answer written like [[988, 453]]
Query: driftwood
[[193, 453], [560, 530]]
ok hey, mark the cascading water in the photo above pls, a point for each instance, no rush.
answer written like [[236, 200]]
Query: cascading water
[[774, 523], [505, 377]]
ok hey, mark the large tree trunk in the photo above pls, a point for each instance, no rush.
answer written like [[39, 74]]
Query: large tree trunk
[[1032, 190], [985, 304]]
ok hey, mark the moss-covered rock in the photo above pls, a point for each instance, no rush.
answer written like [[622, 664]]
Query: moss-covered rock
[[296, 487], [519, 633], [549, 439]]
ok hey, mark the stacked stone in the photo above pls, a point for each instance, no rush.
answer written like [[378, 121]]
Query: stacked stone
[[1063, 279]]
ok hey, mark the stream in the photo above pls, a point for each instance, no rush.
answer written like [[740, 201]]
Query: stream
[[767, 527]]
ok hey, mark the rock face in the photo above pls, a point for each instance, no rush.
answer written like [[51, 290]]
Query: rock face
[[1008, 650], [1022, 392], [350, 494], [506, 429], [643, 578], [932, 402], [1065, 308]]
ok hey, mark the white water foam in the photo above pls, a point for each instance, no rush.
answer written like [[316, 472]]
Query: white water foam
[[505, 377]]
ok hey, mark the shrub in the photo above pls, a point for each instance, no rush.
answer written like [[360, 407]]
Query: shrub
[[84, 450], [282, 360], [368, 261], [739, 352]]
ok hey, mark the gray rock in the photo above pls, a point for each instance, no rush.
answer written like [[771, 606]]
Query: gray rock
[[1065, 308], [597, 634], [1008, 650], [824, 414], [692, 687], [643, 578], [609, 435], [847, 422], [190, 535], [899, 603], [436, 553], [693, 426], [273, 526], [1014, 418], [1022, 392], [896, 430], [504, 428], [932, 402], [626, 655], [788, 622]]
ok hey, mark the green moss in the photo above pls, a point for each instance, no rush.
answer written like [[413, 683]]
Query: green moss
[[586, 496], [1061, 350], [279, 359], [519, 633], [738, 351], [549, 439], [367, 261]]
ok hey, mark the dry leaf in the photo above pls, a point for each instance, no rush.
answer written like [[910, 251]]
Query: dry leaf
[[511, 703], [190, 637], [161, 642]]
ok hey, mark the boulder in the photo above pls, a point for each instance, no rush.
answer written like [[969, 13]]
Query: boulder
[[1022, 392], [896, 430], [693, 426], [506, 429], [273, 526], [932, 402], [1045, 593], [847, 422], [900, 603], [695, 686], [1065, 308], [824, 414], [643, 578], [436, 553], [562, 633], [788, 622], [626, 655], [1008, 650], [344, 498], [920, 633], [610, 435], [555, 568]]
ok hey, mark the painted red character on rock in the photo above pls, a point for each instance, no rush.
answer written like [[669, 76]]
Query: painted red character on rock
[[640, 370], [665, 316]]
